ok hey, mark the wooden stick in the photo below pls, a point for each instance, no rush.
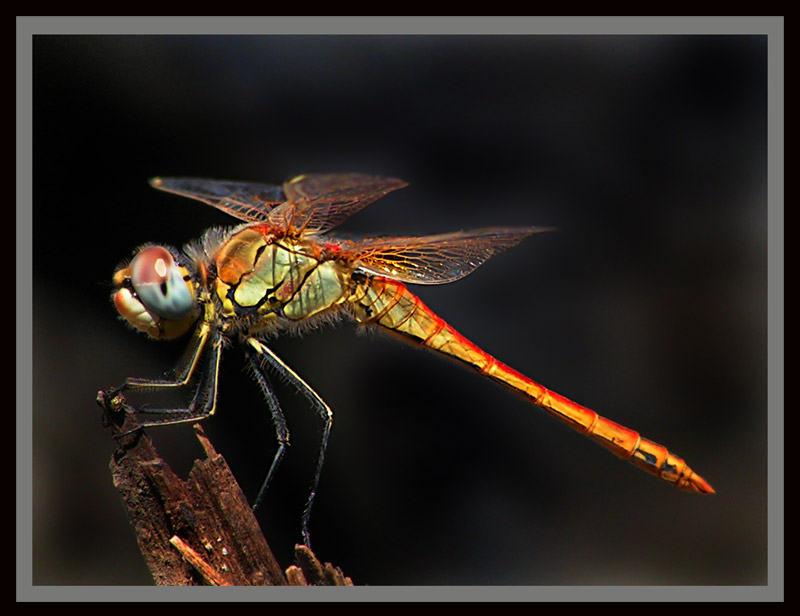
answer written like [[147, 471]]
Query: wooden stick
[[210, 576], [201, 531]]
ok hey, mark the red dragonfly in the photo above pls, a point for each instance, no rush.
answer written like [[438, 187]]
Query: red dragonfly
[[281, 272]]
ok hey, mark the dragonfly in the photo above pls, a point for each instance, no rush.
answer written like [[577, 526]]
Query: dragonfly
[[281, 271]]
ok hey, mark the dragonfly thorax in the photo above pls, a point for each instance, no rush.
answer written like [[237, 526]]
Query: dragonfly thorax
[[270, 280]]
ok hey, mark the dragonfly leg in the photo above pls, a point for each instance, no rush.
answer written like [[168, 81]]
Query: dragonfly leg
[[203, 402], [183, 371], [319, 405], [278, 420]]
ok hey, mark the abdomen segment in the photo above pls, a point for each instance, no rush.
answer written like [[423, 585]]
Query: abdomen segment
[[391, 305]]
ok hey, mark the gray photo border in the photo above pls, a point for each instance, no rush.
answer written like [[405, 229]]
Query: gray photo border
[[772, 27]]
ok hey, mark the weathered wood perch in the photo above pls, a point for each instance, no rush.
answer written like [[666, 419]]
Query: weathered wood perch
[[201, 531]]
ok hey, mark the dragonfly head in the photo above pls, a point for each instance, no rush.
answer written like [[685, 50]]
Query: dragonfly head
[[155, 294]]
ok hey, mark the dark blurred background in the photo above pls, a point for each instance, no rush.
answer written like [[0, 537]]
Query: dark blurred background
[[648, 304]]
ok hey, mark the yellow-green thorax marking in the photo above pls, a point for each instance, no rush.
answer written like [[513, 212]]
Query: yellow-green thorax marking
[[266, 277]]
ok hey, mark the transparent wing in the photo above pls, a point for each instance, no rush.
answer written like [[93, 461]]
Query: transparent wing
[[436, 259], [246, 201], [318, 203]]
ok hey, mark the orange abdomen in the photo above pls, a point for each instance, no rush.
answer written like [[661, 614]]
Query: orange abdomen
[[389, 304]]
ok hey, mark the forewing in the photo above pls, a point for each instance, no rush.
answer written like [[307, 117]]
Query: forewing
[[436, 259], [244, 200], [318, 203]]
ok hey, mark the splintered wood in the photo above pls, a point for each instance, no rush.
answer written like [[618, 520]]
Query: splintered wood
[[201, 531]]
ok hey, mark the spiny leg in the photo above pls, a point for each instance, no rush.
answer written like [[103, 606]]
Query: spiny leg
[[183, 371], [204, 400], [322, 409], [278, 420]]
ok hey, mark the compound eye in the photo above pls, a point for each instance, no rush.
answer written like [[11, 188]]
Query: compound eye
[[160, 285]]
